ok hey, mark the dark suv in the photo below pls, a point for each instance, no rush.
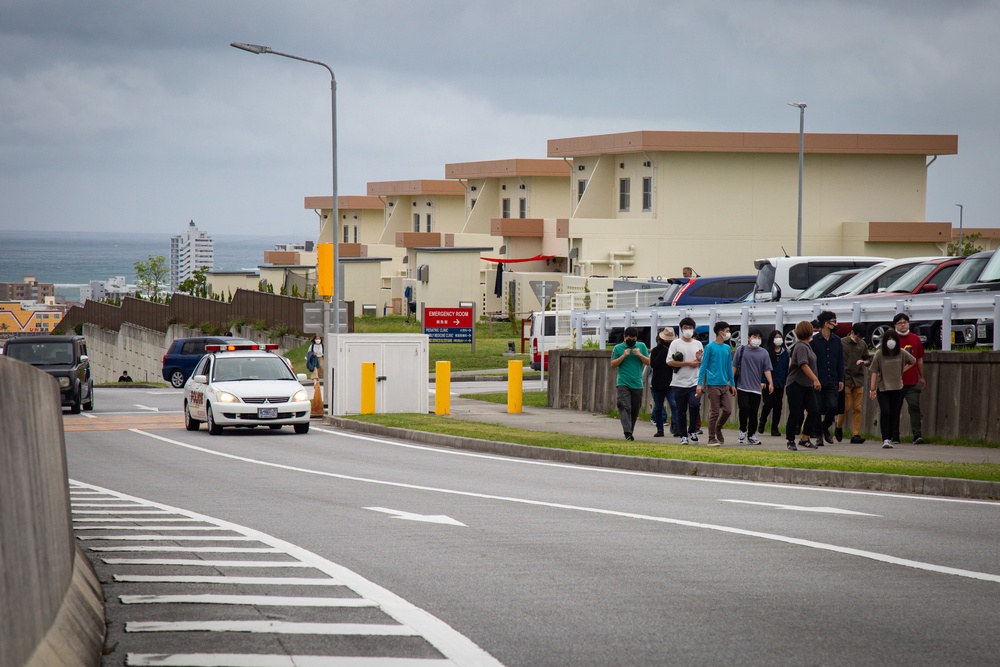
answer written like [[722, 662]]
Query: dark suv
[[185, 353], [707, 290], [65, 359]]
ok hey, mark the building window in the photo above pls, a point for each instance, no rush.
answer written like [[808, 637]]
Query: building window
[[345, 233], [624, 193], [522, 207], [428, 222], [505, 207], [416, 222], [647, 193], [355, 233], [581, 187]]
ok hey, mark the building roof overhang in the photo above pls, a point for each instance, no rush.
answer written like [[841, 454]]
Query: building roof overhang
[[507, 168]]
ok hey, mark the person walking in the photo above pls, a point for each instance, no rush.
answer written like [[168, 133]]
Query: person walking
[[888, 368], [856, 358], [779, 372], [314, 358], [914, 380], [629, 357], [830, 364], [752, 372], [685, 356], [800, 388], [715, 379], [662, 375]]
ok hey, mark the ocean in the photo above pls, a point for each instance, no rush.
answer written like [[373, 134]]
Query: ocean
[[73, 259]]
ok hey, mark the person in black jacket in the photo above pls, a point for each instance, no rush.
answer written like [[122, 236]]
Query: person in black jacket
[[830, 362], [662, 374]]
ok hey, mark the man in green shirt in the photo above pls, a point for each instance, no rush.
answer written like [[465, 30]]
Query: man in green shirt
[[628, 357]]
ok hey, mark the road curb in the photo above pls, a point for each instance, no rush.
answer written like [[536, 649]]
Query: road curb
[[934, 486]]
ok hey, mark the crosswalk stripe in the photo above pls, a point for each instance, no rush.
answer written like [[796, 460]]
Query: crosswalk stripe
[[262, 660], [255, 600], [205, 563], [263, 581], [273, 627]]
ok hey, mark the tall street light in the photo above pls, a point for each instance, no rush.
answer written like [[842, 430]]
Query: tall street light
[[334, 214], [802, 127], [961, 247]]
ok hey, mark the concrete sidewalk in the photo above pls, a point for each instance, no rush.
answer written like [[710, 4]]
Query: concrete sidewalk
[[601, 426]]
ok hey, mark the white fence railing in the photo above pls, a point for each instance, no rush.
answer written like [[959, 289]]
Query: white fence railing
[[576, 325]]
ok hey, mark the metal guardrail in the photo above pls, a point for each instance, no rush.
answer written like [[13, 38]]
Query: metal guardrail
[[948, 309]]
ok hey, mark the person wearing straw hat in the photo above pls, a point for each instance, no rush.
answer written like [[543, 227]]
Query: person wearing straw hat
[[662, 375]]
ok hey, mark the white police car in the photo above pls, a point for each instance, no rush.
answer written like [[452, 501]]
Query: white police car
[[245, 385]]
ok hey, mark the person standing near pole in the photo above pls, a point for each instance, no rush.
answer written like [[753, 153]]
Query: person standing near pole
[[715, 379], [629, 357]]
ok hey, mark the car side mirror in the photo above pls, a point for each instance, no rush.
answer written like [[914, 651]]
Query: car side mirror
[[301, 377], [929, 287], [200, 379], [84, 358], [775, 293]]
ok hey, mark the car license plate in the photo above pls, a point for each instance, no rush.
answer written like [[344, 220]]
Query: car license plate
[[267, 413], [981, 330]]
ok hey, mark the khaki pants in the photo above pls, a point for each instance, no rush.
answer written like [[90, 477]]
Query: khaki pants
[[721, 402], [852, 403]]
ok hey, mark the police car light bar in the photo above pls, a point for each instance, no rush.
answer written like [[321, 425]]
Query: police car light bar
[[235, 348]]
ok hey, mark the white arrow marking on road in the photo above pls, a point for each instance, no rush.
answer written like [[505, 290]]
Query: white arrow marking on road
[[146, 407], [408, 516], [798, 508]]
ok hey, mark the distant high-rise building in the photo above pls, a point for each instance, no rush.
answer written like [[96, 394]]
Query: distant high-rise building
[[188, 253]]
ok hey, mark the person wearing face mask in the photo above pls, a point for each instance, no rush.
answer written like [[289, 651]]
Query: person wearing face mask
[[801, 388], [752, 370], [856, 358], [913, 379], [661, 375], [685, 355], [629, 357], [830, 369], [779, 372], [314, 358], [888, 367], [715, 379]]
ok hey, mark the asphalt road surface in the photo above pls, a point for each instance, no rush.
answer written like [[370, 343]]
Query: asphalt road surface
[[451, 557]]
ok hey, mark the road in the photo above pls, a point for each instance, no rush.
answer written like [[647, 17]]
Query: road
[[532, 562]]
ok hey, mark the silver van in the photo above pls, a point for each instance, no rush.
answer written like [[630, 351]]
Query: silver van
[[784, 278]]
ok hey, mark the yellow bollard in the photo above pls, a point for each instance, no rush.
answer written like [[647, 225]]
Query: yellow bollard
[[515, 387], [368, 388], [442, 388]]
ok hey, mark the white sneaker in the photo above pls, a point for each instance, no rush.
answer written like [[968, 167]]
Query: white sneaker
[[753, 440], [684, 441], [742, 437], [887, 444], [693, 437]]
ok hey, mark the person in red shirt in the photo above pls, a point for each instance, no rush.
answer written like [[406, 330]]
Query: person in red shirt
[[913, 379]]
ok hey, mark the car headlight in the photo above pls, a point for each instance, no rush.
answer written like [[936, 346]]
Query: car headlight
[[299, 396], [64, 382], [226, 397]]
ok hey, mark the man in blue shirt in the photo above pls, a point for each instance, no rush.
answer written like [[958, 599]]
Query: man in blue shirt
[[715, 379], [830, 364]]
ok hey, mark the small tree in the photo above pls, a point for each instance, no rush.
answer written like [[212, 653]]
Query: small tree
[[151, 274], [197, 284], [968, 246]]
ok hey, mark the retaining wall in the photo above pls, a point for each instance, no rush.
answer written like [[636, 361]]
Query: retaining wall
[[51, 605], [960, 401]]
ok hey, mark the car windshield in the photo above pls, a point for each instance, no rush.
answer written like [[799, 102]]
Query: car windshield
[[991, 272], [42, 353], [967, 272], [859, 281], [908, 282], [823, 285], [237, 369], [765, 279]]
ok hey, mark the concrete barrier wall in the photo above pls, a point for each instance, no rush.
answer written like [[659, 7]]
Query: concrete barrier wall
[[960, 401], [140, 351], [51, 608]]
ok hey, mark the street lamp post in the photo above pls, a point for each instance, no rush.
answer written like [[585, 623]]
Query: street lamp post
[[961, 246], [334, 214], [802, 127]]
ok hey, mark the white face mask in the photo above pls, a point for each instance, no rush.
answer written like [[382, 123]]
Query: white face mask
[[778, 342], [318, 341], [755, 342], [890, 344], [687, 333], [727, 336]]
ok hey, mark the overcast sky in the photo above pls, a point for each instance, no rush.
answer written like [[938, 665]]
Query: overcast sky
[[137, 115]]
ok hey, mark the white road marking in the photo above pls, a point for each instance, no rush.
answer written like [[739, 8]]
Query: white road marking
[[89, 416], [615, 471], [111, 520], [459, 650], [146, 407], [428, 518], [871, 555], [219, 550], [106, 505], [148, 528], [128, 512], [249, 581], [253, 600], [244, 660], [272, 627], [205, 563], [799, 508], [171, 538]]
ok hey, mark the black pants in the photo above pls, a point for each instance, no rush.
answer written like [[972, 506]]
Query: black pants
[[829, 405], [889, 405], [772, 406], [749, 405], [688, 409], [803, 411]]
